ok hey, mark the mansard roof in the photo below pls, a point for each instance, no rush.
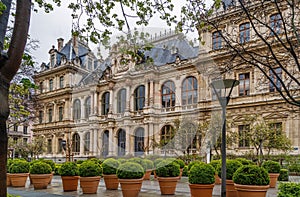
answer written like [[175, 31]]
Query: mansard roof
[[163, 52]]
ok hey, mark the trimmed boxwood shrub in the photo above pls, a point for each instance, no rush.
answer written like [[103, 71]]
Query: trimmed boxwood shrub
[[271, 166], [245, 161], [57, 167], [215, 164], [122, 160], [167, 169], [283, 175], [50, 162], [294, 168], [180, 163], [202, 174], [130, 170], [19, 166], [8, 163], [80, 161], [40, 168], [69, 169], [110, 166], [193, 163], [231, 167], [251, 175], [148, 164], [157, 161], [90, 169], [289, 189], [136, 160], [185, 171]]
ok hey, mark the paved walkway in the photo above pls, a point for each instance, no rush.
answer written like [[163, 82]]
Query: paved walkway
[[149, 189]]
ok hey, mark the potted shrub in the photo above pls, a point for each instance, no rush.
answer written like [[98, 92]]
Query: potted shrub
[[273, 168], [202, 179], [148, 167], [18, 173], [155, 163], [288, 189], [90, 173], [181, 165], [185, 171], [251, 180], [69, 176], [52, 165], [110, 167], [167, 174], [192, 163], [283, 175], [40, 173], [215, 164], [130, 176], [231, 167], [9, 162]]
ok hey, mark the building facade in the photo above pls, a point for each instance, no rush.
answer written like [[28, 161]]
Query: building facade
[[119, 107]]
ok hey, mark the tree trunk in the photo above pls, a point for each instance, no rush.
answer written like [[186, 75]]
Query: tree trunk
[[4, 111], [8, 68]]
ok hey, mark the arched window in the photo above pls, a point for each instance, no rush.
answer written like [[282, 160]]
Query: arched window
[[105, 103], [139, 98], [121, 142], [105, 143], [189, 91], [76, 143], [77, 109], [139, 142], [87, 141], [121, 101], [168, 94], [87, 107], [166, 135], [187, 135]]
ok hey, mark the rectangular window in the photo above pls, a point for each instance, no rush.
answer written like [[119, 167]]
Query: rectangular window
[[243, 136], [15, 128], [244, 87], [41, 87], [50, 84], [52, 60], [275, 75], [49, 146], [25, 141], [60, 113], [244, 33], [25, 129], [41, 114], [61, 82], [60, 145], [216, 40], [50, 113], [275, 24]]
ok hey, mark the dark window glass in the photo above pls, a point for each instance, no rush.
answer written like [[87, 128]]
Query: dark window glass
[[50, 114], [87, 107], [87, 142], [25, 128], [50, 84], [77, 109], [244, 136], [168, 94], [76, 143], [189, 91], [244, 87], [275, 76], [105, 103], [216, 40], [121, 101], [244, 33], [139, 98], [275, 24], [61, 81], [121, 142], [60, 113]]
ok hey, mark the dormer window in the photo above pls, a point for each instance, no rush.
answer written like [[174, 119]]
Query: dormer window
[[90, 64], [52, 60]]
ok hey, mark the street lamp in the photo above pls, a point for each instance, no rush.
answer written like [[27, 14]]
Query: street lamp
[[222, 89]]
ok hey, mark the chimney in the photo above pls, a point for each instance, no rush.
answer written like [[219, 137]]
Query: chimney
[[60, 44], [75, 44]]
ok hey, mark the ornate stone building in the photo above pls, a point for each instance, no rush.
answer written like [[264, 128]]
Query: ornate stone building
[[118, 107]]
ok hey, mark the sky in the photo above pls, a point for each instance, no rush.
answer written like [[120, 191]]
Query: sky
[[48, 27]]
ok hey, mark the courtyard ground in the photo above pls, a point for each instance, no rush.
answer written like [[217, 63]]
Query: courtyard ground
[[149, 189]]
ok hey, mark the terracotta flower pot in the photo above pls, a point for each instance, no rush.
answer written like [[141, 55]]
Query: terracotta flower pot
[[51, 178], [230, 189], [18, 179], [111, 181], [155, 176], [167, 185], [251, 190], [198, 190], [273, 179], [131, 187], [8, 182], [40, 181], [70, 183], [217, 179], [147, 175], [89, 185]]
